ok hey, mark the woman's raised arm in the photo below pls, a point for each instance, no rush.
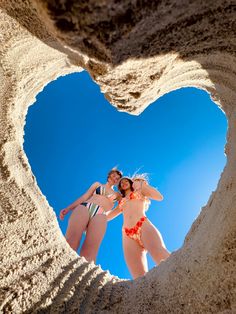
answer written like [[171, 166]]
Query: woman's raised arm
[[147, 190], [151, 192]]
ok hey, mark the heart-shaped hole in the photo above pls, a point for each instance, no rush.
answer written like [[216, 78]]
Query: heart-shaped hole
[[73, 137]]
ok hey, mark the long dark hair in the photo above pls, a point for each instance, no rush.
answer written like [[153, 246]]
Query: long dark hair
[[122, 192]]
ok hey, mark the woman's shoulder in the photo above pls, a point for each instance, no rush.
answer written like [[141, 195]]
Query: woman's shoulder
[[96, 184]]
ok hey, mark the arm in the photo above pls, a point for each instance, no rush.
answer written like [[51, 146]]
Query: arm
[[151, 192], [148, 190], [118, 197], [84, 197], [114, 213], [80, 200]]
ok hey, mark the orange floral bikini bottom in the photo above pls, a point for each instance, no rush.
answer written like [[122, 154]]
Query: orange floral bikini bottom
[[134, 233]]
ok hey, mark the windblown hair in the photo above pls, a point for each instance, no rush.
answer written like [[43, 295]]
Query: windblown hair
[[114, 170], [141, 177], [122, 192]]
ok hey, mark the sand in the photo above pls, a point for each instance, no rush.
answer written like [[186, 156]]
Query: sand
[[136, 52]]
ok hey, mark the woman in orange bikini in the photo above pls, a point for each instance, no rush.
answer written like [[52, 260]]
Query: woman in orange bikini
[[89, 214], [139, 234]]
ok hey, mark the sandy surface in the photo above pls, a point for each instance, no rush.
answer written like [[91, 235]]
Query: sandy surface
[[136, 53]]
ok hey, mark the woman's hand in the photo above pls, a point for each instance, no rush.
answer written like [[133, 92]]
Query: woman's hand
[[113, 213], [151, 192], [118, 196], [64, 212], [138, 184]]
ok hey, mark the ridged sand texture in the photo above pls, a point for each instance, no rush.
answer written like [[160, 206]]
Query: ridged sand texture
[[136, 51]]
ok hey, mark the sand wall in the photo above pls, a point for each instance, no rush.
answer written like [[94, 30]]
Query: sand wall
[[136, 51]]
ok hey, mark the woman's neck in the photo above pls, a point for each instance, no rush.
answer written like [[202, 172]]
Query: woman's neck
[[127, 192], [110, 185]]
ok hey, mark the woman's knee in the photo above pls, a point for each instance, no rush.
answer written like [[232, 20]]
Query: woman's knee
[[89, 253], [72, 236], [137, 266], [73, 242], [138, 274]]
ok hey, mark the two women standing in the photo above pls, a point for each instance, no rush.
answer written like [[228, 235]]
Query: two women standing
[[92, 210]]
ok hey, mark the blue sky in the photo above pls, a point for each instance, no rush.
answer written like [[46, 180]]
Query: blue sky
[[73, 137]]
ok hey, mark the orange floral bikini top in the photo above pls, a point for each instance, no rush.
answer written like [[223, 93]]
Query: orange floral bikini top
[[135, 195]]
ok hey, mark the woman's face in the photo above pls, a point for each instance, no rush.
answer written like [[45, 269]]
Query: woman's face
[[114, 178], [125, 184]]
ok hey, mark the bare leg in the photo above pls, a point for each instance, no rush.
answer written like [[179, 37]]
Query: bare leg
[[135, 257], [94, 235], [153, 242], [76, 226]]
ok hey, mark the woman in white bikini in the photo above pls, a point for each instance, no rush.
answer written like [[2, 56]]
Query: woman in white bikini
[[89, 214], [138, 233]]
